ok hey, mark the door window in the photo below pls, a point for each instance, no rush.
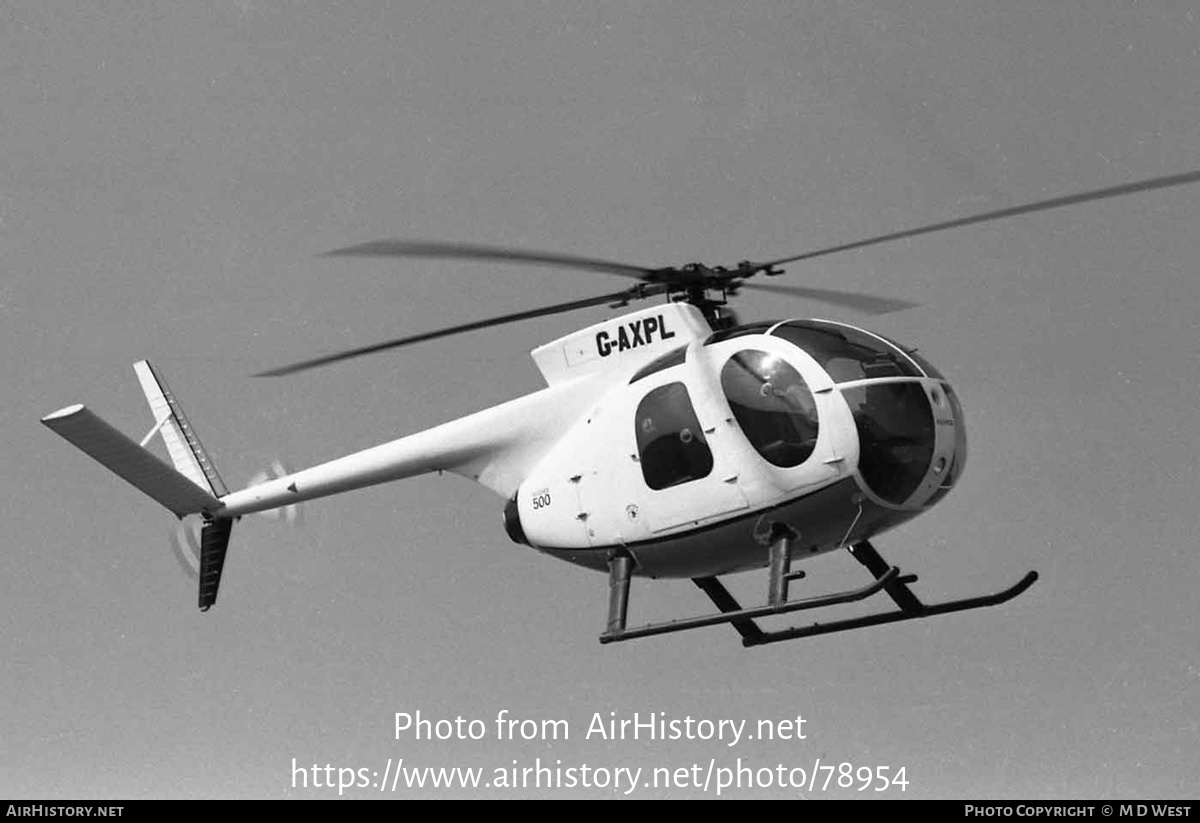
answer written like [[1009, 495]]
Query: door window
[[773, 405], [671, 445]]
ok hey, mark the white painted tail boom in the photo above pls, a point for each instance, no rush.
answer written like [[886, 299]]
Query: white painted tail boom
[[496, 447]]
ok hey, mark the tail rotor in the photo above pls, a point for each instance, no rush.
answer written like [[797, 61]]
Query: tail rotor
[[290, 514], [185, 540], [185, 543]]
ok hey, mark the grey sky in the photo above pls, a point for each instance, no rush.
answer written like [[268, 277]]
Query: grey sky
[[169, 173]]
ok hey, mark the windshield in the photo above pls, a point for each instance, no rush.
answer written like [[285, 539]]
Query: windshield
[[847, 353], [896, 436]]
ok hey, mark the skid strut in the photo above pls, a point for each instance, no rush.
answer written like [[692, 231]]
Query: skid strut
[[887, 579], [620, 565], [782, 538]]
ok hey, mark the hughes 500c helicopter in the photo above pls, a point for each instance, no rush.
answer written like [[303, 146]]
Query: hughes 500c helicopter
[[669, 442]]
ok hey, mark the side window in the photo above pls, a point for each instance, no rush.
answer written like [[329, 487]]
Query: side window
[[773, 405], [671, 446]]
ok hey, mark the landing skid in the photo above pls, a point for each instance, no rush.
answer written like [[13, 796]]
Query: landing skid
[[887, 579]]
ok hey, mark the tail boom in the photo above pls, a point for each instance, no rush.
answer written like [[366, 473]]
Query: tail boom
[[495, 447]]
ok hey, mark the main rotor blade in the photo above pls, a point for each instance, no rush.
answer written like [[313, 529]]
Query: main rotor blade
[[865, 303], [497, 254], [620, 296], [1000, 214]]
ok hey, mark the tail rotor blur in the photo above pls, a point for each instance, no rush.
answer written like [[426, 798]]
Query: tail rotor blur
[[290, 514], [186, 545], [185, 540]]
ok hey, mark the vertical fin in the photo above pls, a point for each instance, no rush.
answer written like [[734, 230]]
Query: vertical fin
[[183, 446], [214, 540]]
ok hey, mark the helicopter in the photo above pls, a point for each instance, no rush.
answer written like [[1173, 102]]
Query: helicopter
[[669, 442]]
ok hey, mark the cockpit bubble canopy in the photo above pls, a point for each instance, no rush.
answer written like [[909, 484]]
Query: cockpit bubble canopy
[[851, 354]]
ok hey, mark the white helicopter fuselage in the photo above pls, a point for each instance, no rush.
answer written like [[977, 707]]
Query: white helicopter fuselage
[[658, 438]]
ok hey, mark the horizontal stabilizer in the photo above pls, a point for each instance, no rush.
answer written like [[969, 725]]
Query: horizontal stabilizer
[[127, 459]]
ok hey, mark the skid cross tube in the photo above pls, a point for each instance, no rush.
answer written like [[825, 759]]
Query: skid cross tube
[[887, 579]]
